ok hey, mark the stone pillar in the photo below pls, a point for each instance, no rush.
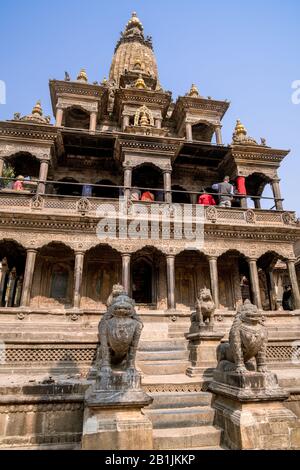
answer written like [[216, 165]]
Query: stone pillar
[[158, 123], [194, 198], [214, 280], [28, 276], [59, 117], [277, 194], [125, 121], [294, 283], [126, 272], [167, 186], [1, 165], [44, 166], [188, 132], [11, 288], [171, 281], [218, 134], [256, 203], [127, 181], [3, 276], [271, 289], [78, 269], [93, 121], [254, 282]]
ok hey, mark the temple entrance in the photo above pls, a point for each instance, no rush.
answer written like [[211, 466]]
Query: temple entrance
[[142, 282], [148, 278], [102, 269], [53, 276], [270, 292], [234, 280], [12, 266], [191, 275]]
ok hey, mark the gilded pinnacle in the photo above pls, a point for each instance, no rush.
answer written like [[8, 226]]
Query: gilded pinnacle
[[82, 76], [38, 108]]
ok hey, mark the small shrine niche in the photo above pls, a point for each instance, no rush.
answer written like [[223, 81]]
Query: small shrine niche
[[143, 117]]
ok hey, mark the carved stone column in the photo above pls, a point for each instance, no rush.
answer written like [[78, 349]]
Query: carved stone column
[[214, 280], [218, 134], [271, 289], [127, 180], [277, 194], [294, 283], [59, 117], [188, 132], [78, 269], [158, 123], [1, 165], [126, 257], [44, 166], [93, 121], [171, 281], [254, 282], [28, 276], [125, 122], [167, 186]]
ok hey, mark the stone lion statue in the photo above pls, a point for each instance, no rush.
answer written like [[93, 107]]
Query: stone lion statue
[[248, 340], [205, 308], [119, 332]]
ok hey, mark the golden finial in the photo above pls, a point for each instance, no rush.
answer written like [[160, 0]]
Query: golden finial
[[194, 92], [140, 84], [240, 128], [104, 81], [38, 108], [144, 121], [134, 21], [82, 76]]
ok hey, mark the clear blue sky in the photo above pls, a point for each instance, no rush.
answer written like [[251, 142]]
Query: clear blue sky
[[247, 52]]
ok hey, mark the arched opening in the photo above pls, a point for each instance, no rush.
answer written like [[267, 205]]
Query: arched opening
[[53, 276], [106, 192], [22, 164], [76, 118], [12, 266], [148, 278], [149, 176], [234, 280], [203, 132], [180, 197], [255, 186], [67, 187], [191, 275], [102, 269], [273, 278]]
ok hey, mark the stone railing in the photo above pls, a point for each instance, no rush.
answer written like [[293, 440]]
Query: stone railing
[[94, 207]]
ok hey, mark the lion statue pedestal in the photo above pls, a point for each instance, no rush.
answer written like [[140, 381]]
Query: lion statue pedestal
[[203, 337], [113, 418], [248, 400]]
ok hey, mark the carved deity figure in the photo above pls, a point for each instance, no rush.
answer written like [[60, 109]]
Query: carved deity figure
[[205, 309], [119, 331], [248, 340]]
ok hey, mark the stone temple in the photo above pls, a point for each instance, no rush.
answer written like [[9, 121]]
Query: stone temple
[[108, 194]]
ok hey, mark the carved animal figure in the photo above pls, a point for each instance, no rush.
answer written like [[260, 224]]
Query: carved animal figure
[[205, 308], [119, 330], [248, 339]]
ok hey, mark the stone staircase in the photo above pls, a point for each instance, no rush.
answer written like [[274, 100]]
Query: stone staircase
[[183, 421], [166, 357]]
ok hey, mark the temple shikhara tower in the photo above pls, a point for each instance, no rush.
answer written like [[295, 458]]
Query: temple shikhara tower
[[71, 187]]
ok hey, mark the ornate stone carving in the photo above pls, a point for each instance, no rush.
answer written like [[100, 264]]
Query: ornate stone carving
[[83, 205], [211, 214], [140, 115], [250, 216], [205, 309], [119, 332], [287, 218], [248, 339], [37, 202]]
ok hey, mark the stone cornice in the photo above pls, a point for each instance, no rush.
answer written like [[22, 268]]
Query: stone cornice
[[158, 99], [19, 130], [186, 103], [258, 152]]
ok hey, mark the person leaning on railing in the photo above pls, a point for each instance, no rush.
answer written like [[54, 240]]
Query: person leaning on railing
[[225, 190], [18, 184]]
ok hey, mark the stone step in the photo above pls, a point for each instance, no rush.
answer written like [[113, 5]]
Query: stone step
[[169, 400], [163, 355], [167, 367], [180, 417], [171, 345], [186, 437]]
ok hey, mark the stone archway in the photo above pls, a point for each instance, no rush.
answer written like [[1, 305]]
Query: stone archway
[[12, 266], [234, 279]]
